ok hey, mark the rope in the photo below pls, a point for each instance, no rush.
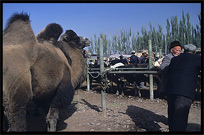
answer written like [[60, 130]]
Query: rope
[[93, 75]]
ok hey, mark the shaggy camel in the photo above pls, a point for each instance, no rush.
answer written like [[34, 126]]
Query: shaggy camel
[[36, 70]]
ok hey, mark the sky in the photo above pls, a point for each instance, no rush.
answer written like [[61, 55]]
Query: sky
[[87, 19]]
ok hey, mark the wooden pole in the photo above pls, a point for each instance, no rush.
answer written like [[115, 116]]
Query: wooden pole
[[151, 75], [88, 79], [103, 94]]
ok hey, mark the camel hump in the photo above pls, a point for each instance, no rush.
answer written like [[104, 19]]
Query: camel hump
[[19, 16], [18, 30], [50, 33]]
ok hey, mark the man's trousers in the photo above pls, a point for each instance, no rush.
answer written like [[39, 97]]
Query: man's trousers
[[178, 111]]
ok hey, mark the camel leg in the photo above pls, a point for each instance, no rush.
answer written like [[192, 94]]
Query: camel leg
[[139, 93], [17, 121], [16, 114], [52, 118], [18, 100], [90, 82], [120, 87], [63, 99], [137, 90], [5, 123]]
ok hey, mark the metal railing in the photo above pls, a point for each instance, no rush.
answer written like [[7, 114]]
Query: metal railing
[[103, 71]]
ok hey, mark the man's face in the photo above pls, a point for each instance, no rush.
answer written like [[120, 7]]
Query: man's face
[[145, 54], [176, 50]]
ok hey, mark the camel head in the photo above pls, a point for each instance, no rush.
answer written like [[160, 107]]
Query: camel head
[[84, 42], [73, 39]]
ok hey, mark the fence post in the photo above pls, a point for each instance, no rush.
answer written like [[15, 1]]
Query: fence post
[[103, 94], [151, 75], [88, 79]]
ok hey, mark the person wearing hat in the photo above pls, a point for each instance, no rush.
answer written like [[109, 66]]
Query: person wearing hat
[[143, 58], [123, 60], [182, 79], [134, 58], [97, 62], [175, 50]]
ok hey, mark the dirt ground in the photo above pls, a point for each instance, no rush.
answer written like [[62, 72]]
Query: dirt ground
[[125, 113]]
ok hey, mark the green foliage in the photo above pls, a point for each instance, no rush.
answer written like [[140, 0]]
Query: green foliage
[[126, 41]]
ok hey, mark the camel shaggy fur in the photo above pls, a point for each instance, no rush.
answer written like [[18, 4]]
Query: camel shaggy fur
[[50, 33], [40, 70]]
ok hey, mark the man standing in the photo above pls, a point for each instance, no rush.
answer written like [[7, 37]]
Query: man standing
[[123, 60], [143, 61], [143, 58], [182, 78], [134, 58], [175, 50]]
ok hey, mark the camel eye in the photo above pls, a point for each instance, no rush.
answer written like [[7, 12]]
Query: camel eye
[[66, 37]]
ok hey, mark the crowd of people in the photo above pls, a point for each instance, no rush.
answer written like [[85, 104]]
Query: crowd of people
[[133, 59], [179, 72]]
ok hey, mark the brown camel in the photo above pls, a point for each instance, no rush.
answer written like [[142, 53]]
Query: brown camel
[[43, 71]]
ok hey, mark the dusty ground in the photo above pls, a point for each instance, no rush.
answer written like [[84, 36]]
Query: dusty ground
[[123, 113]]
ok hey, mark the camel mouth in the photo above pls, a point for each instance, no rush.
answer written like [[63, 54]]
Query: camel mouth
[[85, 41]]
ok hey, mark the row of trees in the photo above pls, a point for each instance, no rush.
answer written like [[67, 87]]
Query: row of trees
[[126, 41]]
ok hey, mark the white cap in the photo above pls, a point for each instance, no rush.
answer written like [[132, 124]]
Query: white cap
[[144, 52], [190, 47], [133, 52]]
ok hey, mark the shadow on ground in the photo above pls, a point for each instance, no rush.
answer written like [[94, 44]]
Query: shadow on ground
[[193, 127], [38, 123], [146, 119], [65, 114]]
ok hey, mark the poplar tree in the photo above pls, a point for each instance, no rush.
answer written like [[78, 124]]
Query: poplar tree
[[188, 34], [184, 28], [114, 44], [138, 42], [198, 32], [174, 26], [90, 49], [159, 37], [168, 35], [126, 41], [134, 42], [96, 44], [181, 32]]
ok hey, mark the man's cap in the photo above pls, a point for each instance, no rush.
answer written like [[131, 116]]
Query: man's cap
[[133, 52], [144, 52], [175, 43], [190, 47]]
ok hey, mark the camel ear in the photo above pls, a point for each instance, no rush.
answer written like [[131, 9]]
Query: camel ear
[[50, 33]]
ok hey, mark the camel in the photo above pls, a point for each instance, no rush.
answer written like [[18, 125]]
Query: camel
[[50, 33], [39, 69]]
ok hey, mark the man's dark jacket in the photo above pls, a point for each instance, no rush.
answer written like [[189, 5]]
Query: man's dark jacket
[[134, 59], [183, 74]]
